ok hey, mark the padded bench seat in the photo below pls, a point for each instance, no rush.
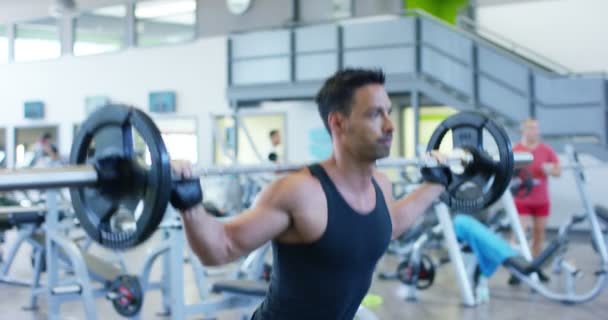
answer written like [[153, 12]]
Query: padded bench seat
[[241, 287]]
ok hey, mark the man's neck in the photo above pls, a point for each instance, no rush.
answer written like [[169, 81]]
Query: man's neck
[[356, 174]]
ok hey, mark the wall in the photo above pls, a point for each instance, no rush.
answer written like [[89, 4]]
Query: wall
[[571, 32], [196, 71]]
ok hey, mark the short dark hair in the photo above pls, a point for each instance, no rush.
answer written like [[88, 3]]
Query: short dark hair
[[273, 132], [337, 92], [46, 136]]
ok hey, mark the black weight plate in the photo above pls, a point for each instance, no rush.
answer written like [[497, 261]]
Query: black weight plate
[[130, 295], [110, 131], [475, 189], [420, 274], [426, 273]]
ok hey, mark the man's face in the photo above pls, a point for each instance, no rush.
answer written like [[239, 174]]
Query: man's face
[[367, 132], [530, 131], [275, 139]]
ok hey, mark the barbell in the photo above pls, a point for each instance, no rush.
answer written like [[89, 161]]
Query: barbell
[[100, 188]]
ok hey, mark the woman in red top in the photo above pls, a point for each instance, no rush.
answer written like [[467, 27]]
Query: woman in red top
[[534, 208]]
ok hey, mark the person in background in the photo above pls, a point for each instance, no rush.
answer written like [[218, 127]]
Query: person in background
[[275, 141], [41, 148], [534, 208]]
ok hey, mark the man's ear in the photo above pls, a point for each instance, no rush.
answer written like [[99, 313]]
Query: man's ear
[[336, 122]]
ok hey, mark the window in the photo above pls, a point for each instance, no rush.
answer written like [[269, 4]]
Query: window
[[3, 44], [164, 22], [101, 30], [37, 40], [342, 8]]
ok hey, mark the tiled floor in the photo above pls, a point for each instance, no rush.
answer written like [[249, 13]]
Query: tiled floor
[[442, 301]]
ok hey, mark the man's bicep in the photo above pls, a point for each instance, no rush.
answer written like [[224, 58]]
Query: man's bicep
[[254, 227], [267, 219]]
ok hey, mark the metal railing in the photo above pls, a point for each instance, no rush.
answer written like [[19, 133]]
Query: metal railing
[[469, 25]]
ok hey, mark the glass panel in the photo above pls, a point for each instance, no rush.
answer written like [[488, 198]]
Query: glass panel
[[3, 44], [37, 40], [2, 148], [163, 21], [224, 140], [100, 30]]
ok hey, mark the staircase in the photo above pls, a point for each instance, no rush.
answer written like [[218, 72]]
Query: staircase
[[455, 66]]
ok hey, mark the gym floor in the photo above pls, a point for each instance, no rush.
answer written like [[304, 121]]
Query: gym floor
[[441, 301]]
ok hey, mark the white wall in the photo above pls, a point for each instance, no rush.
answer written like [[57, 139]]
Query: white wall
[[573, 33], [196, 71]]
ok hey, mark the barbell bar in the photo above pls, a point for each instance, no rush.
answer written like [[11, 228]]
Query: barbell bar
[[74, 176], [106, 174]]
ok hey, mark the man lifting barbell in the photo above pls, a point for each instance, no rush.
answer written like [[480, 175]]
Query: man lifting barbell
[[330, 222], [313, 216]]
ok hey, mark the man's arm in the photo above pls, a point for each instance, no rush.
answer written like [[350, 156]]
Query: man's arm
[[216, 242], [552, 167], [405, 211]]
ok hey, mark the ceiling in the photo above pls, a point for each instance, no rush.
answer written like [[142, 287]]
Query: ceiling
[[20, 10]]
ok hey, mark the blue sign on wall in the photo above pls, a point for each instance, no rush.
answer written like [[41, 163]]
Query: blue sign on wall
[[92, 103], [33, 109], [162, 101]]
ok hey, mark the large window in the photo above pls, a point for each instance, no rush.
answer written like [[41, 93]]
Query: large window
[[37, 40], [3, 44], [165, 21], [101, 30]]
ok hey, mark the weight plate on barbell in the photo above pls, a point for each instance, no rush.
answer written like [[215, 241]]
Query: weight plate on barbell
[[476, 188], [143, 182]]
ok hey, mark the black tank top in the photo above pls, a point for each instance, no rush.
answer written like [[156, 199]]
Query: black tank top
[[328, 278]]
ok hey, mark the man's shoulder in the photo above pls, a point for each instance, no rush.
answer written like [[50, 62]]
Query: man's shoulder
[[297, 184]]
